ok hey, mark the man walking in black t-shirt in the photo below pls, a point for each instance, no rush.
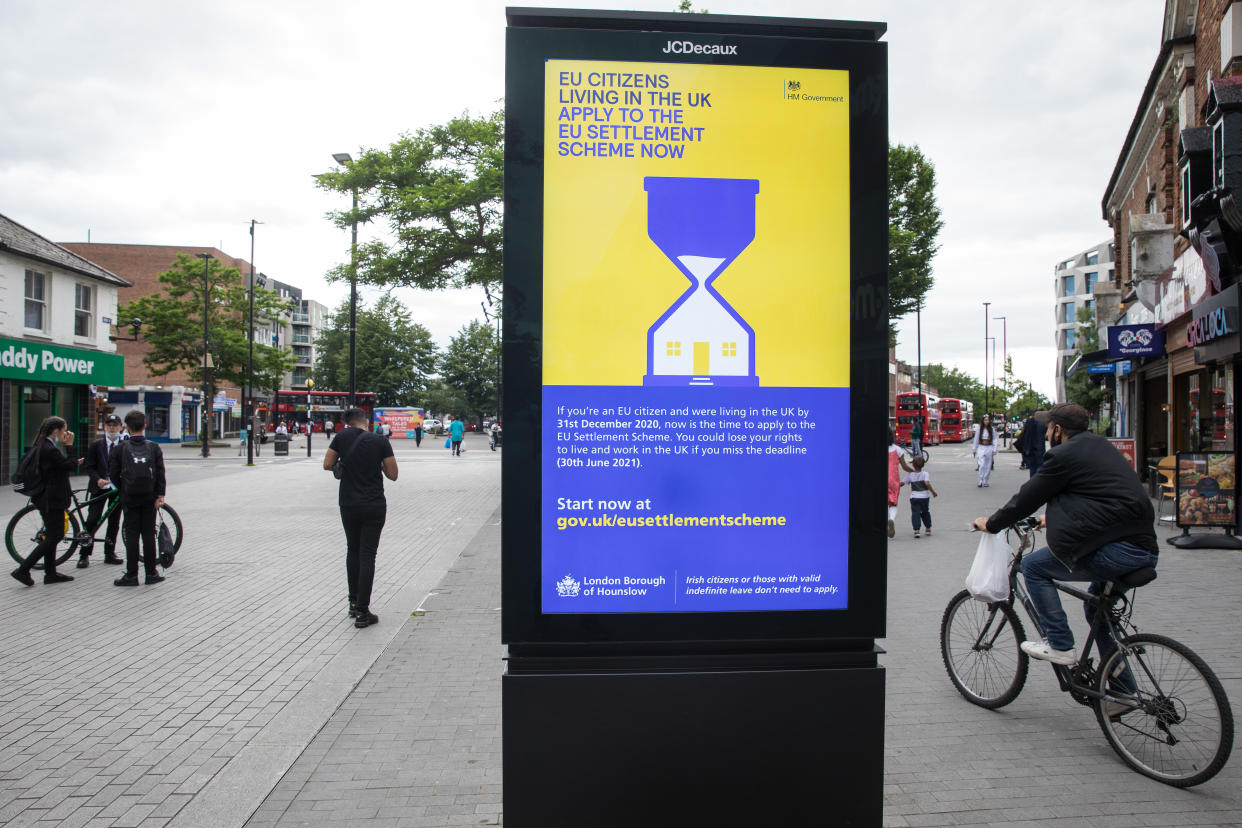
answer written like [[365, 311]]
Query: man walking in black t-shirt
[[364, 457]]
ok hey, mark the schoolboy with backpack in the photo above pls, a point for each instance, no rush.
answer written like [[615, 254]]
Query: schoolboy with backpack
[[137, 470]]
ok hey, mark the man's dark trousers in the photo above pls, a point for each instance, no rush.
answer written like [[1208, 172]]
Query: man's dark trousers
[[362, 534], [94, 515], [139, 523]]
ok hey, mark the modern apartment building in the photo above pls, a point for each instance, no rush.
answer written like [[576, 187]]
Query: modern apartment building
[[309, 320], [1074, 281]]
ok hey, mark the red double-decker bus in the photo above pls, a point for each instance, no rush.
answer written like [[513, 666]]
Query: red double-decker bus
[[316, 407], [957, 419], [914, 407]]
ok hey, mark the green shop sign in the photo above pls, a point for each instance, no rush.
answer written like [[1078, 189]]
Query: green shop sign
[[23, 360]]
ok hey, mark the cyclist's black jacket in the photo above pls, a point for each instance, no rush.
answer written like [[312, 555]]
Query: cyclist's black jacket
[[1093, 498]]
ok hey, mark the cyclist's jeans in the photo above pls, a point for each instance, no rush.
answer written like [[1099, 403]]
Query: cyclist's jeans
[[1110, 561]]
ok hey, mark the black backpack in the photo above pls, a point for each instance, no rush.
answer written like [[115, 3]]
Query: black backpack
[[137, 467], [26, 479]]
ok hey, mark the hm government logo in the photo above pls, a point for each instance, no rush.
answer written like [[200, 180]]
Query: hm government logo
[[793, 86], [567, 587], [1127, 338]]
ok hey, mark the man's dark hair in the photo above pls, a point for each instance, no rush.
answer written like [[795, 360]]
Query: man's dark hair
[[135, 420], [356, 417], [918, 463]]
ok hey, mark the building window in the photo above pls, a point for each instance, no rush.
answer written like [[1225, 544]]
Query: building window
[[1089, 305], [729, 349], [672, 349], [1067, 313], [83, 311], [1093, 258], [36, 300], [1091, 279], [1067, 286], [1069, 340]]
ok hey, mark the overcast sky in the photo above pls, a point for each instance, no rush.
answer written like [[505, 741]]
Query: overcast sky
[[170, 123]]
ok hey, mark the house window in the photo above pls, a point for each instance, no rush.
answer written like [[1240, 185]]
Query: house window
[[729, 349], [1067, 286], [1093, 258], [83, 311], [672, 349], [36, 300]]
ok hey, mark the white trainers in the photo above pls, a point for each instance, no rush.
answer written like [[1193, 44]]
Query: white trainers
[[1042, 650]]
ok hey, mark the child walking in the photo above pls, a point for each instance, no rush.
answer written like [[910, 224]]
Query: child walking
[[921, 493]]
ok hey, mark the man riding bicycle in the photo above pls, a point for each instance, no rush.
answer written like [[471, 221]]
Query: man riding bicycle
[[1099, 522]]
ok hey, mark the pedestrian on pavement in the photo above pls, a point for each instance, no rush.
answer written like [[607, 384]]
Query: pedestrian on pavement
[[137, 470], [895, 460], [1031, 441], [100, 493], [364, 456], [1099, 522], [54, 471], [921, 493], [418, 434], [457, 431], [916, 437], [985, 449]]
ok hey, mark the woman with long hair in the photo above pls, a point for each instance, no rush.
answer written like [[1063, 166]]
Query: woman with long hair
[[54, 470], [985, 449], [894, 479]]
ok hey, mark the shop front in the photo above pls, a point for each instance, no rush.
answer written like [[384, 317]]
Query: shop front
[[39, 380], [171, 411]]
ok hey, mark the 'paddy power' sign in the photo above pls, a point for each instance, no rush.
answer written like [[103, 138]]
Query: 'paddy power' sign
[[36, 362]]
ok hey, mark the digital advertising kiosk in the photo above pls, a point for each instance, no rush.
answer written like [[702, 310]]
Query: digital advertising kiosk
[[696, 384]]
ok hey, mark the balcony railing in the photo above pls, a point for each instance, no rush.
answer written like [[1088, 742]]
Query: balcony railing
[[301, 318], [301, 339]]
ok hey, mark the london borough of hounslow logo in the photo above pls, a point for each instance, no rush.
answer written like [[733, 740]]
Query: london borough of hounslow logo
[[567, 587]]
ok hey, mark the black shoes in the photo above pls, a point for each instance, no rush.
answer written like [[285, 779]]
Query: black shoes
[[154, 579], [56, 578], [110, 558], [126, 580], [84, 561], [23, 575], [365, 618]]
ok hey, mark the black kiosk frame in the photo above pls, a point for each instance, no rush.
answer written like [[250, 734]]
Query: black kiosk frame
[[706, 718]]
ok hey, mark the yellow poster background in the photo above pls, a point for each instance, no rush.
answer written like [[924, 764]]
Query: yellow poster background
[[606, 283]]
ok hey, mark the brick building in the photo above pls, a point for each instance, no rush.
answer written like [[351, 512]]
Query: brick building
[[1172, 263]]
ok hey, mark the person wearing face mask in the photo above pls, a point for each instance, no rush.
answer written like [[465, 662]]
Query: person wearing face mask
[[54, 469], [100, 491], [1099, 520]]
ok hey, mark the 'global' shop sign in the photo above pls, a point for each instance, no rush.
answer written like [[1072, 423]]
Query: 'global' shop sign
[[23, 360]]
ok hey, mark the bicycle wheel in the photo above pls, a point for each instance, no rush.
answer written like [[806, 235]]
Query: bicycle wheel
[[981, 647], [170, 518], [25, 532], [1182, 732]]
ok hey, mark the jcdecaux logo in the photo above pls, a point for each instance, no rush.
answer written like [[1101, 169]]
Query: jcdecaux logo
[[688, 47]]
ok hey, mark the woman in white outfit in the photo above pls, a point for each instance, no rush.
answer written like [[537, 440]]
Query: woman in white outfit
[[984, 449]]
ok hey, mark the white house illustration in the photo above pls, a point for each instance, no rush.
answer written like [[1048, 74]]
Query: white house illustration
[[701, 225]]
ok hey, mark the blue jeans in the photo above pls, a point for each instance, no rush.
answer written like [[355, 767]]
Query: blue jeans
[[1107, 563], [920, 512]]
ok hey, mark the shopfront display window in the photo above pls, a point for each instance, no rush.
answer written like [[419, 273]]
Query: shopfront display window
[[157, 422], [1222, 408]]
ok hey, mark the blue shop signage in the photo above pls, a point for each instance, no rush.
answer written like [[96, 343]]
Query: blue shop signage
[[1134, 340]]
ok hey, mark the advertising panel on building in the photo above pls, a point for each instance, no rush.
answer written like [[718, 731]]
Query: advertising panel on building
[[700, 255]]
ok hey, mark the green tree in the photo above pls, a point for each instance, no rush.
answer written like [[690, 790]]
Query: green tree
[[1026, 400], [687, 7], [469, 367], [440, 398], [914, 226], [440, 192], [953, 382], [395, 356], [1084, 388], [173, 325]]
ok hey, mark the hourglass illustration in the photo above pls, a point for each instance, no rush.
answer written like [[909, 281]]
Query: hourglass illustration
[[701, 225]]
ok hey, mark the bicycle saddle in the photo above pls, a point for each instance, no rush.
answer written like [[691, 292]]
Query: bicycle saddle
[[1138, 577]]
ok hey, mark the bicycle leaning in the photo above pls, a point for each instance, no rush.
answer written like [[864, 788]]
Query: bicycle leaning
[[25, 529], [1161, 708]]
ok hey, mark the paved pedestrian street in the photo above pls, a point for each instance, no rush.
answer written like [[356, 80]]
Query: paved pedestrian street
[[237, 693]]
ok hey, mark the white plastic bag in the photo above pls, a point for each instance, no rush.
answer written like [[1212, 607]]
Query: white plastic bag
[[988, 579]]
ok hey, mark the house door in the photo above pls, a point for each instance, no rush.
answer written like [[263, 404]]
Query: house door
[[701, 368]]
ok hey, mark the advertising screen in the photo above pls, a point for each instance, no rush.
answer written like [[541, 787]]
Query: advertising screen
[[696, 338], [403, 421]]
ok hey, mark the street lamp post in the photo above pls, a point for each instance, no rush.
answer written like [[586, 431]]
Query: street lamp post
[[489, 317], [344, 159], [250, 418], [1004, 353], [208, 403], [986, 397]]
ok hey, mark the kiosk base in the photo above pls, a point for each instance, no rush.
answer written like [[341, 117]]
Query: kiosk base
[[721, 748]]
